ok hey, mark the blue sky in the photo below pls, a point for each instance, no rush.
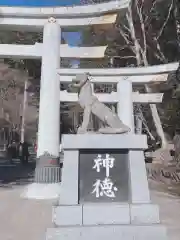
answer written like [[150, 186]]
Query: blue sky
[[32, 3]]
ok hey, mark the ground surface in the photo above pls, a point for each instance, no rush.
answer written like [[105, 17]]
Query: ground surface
[[169, 203], [22, 219]]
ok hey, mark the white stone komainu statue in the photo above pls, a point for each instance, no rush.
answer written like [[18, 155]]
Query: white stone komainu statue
[[92, 105]]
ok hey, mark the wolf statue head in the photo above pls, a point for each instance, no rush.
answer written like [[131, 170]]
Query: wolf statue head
[[80, 78], [78, 82]]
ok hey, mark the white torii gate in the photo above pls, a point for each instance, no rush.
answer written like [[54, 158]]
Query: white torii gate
[[37, 19], [50, 20], [124, 78]]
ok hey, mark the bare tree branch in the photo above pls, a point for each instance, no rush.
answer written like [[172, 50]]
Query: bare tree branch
[[158, 56], [160, 51], [165, 22], [133, 35], [129, 31], [144, 50], [152, 8], [123, 57], [126, 39]]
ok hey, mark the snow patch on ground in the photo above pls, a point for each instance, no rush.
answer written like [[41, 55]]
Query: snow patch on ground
[[42, 191]]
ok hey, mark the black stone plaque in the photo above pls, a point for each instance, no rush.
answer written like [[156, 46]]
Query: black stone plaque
[[103, 176]]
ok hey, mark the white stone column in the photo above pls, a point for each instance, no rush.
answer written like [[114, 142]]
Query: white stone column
[[138, 184], [47, 169], [139, 189], [125, 104]]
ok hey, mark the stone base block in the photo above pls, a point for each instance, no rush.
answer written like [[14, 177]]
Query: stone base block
[[67, 215], [105, 214], [144, 213], [104, 141], [106, 232]]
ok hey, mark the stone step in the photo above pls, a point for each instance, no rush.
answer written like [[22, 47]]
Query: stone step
[[105, 214], [106, 232]]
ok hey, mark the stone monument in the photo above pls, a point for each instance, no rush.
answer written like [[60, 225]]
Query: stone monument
[[104, 189]]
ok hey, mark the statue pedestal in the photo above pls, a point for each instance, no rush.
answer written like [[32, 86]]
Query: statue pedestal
[[104, 191]]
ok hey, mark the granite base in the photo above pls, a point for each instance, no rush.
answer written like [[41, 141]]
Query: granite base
[[106, 232]]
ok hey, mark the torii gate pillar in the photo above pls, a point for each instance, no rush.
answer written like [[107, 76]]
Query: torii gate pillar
[[47, 167]]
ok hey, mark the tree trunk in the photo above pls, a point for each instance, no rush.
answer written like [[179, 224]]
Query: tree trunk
[[25, 99]]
